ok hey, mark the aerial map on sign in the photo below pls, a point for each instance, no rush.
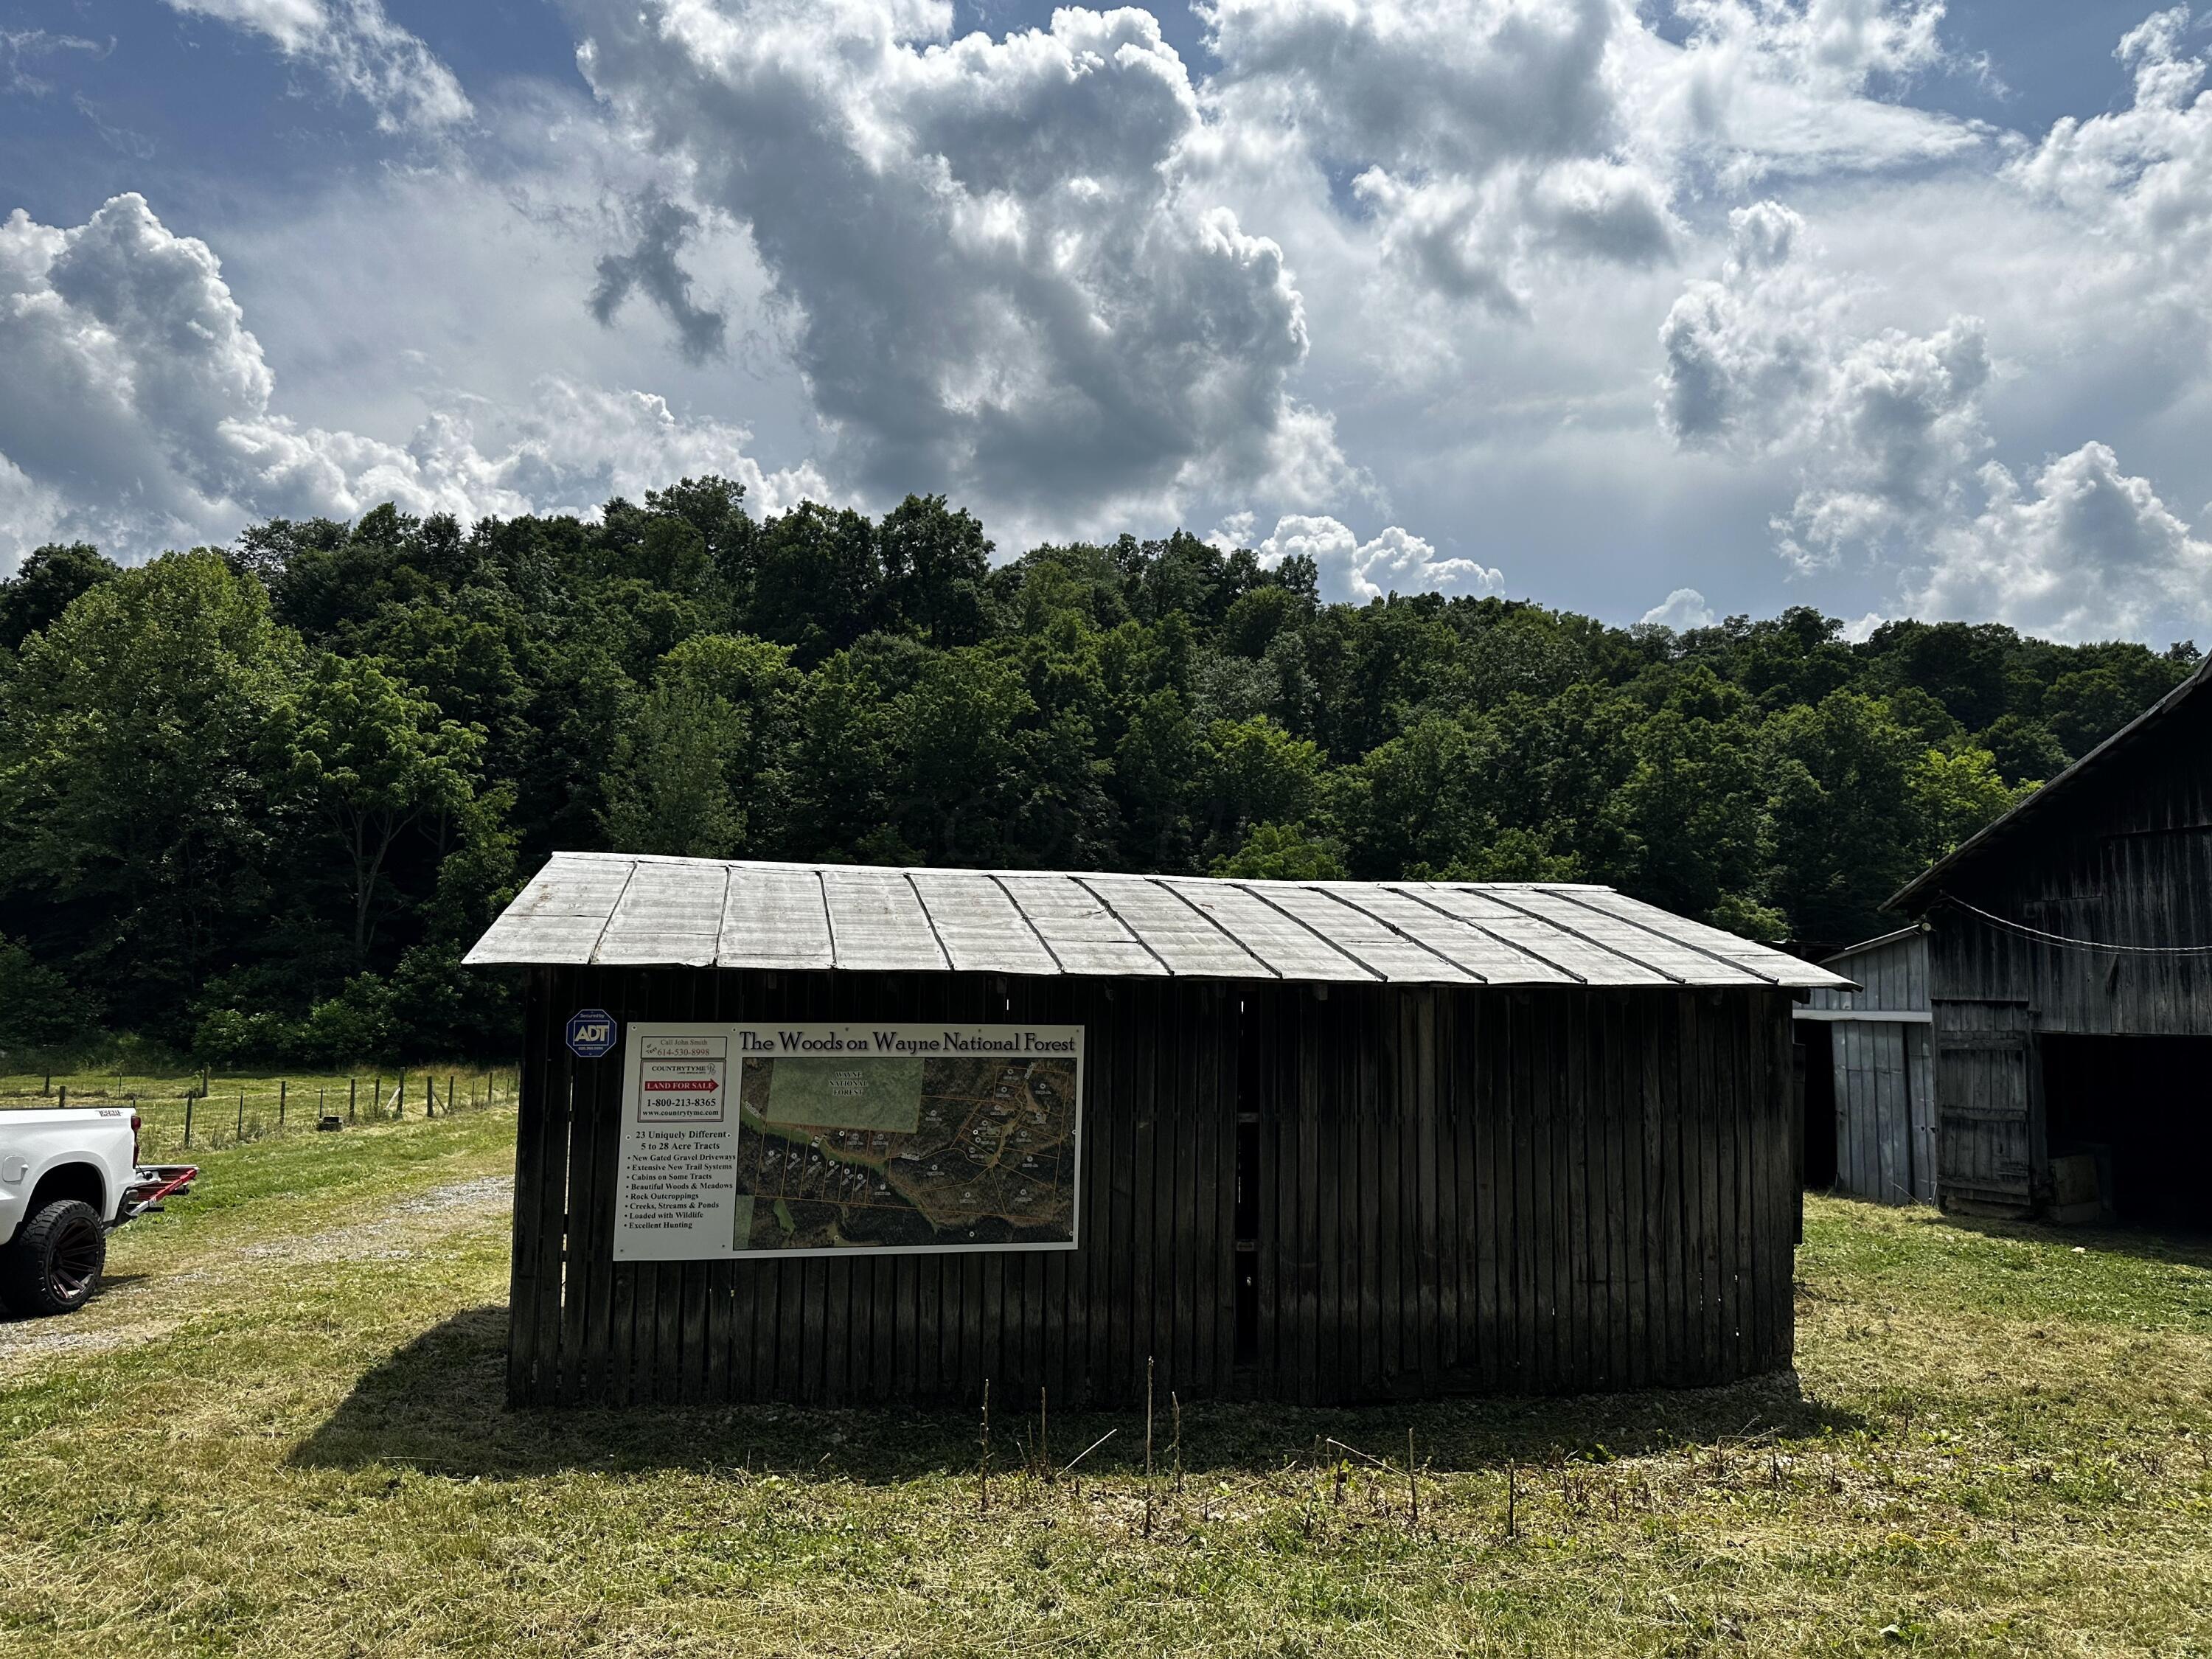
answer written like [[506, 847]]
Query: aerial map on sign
[[893, 1151]]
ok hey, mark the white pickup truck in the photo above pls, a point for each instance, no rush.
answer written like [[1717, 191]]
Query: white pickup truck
[[68, 1179]]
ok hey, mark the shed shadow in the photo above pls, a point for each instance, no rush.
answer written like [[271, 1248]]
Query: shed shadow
[[438, 1406]]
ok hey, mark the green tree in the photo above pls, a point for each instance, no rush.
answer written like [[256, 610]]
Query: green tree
[[817, 580], [1253, 772], [1955, 793], [2084, 707], [38, 1007], [45, 584], [961, 776], [713, 508], [371, 761], [1693, 812], [1848, 831], [670, 788], [1282, 852], [2024, 749], [1156, 772], [132, 781], [936, 566], [1421, 800]]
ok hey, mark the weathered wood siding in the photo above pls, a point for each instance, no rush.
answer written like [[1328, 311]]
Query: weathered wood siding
[[1449, 1189], [1885, 1087], [1885, 1117], [1992, 1152], [2123, 858], [1892, 975]]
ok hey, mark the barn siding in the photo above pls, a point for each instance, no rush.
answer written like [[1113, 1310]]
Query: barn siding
[[2125, 859], [1884, 1118], [1461, 1190], [2128, 860]]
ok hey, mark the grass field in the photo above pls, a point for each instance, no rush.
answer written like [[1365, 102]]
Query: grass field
[[241, 1106], [280, 1432]]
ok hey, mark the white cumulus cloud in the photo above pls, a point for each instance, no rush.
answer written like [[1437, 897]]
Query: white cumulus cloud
[[2144, 173], [1393, 560], [1885, 429], [999, 280], [2083, 550], [141, 412], [1888, 434], [358, 49], [1682, 610], [1481, 135]]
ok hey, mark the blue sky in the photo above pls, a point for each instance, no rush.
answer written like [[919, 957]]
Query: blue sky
[[1891, 308]]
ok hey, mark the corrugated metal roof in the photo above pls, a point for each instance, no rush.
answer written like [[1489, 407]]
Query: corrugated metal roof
[[1874, 944], [635, 910]]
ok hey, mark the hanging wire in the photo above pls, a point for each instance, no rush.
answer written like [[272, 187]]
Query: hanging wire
[[2080, 943]]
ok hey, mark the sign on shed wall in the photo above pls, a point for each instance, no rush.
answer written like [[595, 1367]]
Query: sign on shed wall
[[809, 1139]]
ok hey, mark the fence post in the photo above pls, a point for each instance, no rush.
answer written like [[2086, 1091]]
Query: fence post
[[63, 1104], [188, 1120], [353, 1095], [241, 1115], [449, 1094], [284, 1086], [430, 1095], [400, 1097]]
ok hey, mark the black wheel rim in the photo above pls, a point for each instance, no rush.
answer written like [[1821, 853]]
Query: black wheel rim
[[76, 1261]]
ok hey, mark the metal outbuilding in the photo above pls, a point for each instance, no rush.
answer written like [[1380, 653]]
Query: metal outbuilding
[[2071, 982], [1297, 1140], [1870, 1085]]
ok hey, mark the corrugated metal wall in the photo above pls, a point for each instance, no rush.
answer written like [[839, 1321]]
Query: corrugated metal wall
[[1454, 1190]]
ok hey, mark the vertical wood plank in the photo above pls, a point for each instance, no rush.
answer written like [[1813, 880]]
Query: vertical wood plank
[[1380, 1114], [533, 1343], [1316, 1323]]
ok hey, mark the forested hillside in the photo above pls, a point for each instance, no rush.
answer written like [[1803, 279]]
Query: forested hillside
[[259, 800]]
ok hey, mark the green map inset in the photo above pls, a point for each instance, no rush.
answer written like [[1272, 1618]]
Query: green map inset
[[905, 1153], [860, 1093]]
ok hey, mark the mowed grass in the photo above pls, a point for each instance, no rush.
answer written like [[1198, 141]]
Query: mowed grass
[[282, 1432]]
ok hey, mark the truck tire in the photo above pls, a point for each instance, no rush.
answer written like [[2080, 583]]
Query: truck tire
[[54, 1264]]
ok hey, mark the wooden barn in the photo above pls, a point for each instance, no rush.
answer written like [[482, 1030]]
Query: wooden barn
[[1870, 1083], [2070, 981], [836, 1133]]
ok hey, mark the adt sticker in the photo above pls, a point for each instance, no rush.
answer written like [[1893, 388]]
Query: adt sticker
[[591, 1033]]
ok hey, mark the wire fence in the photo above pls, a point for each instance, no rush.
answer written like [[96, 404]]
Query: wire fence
[[209, 1110]]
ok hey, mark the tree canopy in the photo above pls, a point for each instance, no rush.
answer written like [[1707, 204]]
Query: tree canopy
[[261, 799]]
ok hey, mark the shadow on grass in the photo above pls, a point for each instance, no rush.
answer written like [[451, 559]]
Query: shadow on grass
[[2182, 1248], [109, 1283], [438, 1406]]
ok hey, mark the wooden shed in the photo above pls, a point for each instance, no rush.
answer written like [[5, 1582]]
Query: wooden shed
[[2071, 982], [1870, 1094], [838, 1133]]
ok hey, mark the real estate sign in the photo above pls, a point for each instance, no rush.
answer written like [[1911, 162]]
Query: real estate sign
[[809, 1139]]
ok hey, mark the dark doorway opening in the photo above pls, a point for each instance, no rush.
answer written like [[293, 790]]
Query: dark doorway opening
[[2139, 1107], [1819, 1038]]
